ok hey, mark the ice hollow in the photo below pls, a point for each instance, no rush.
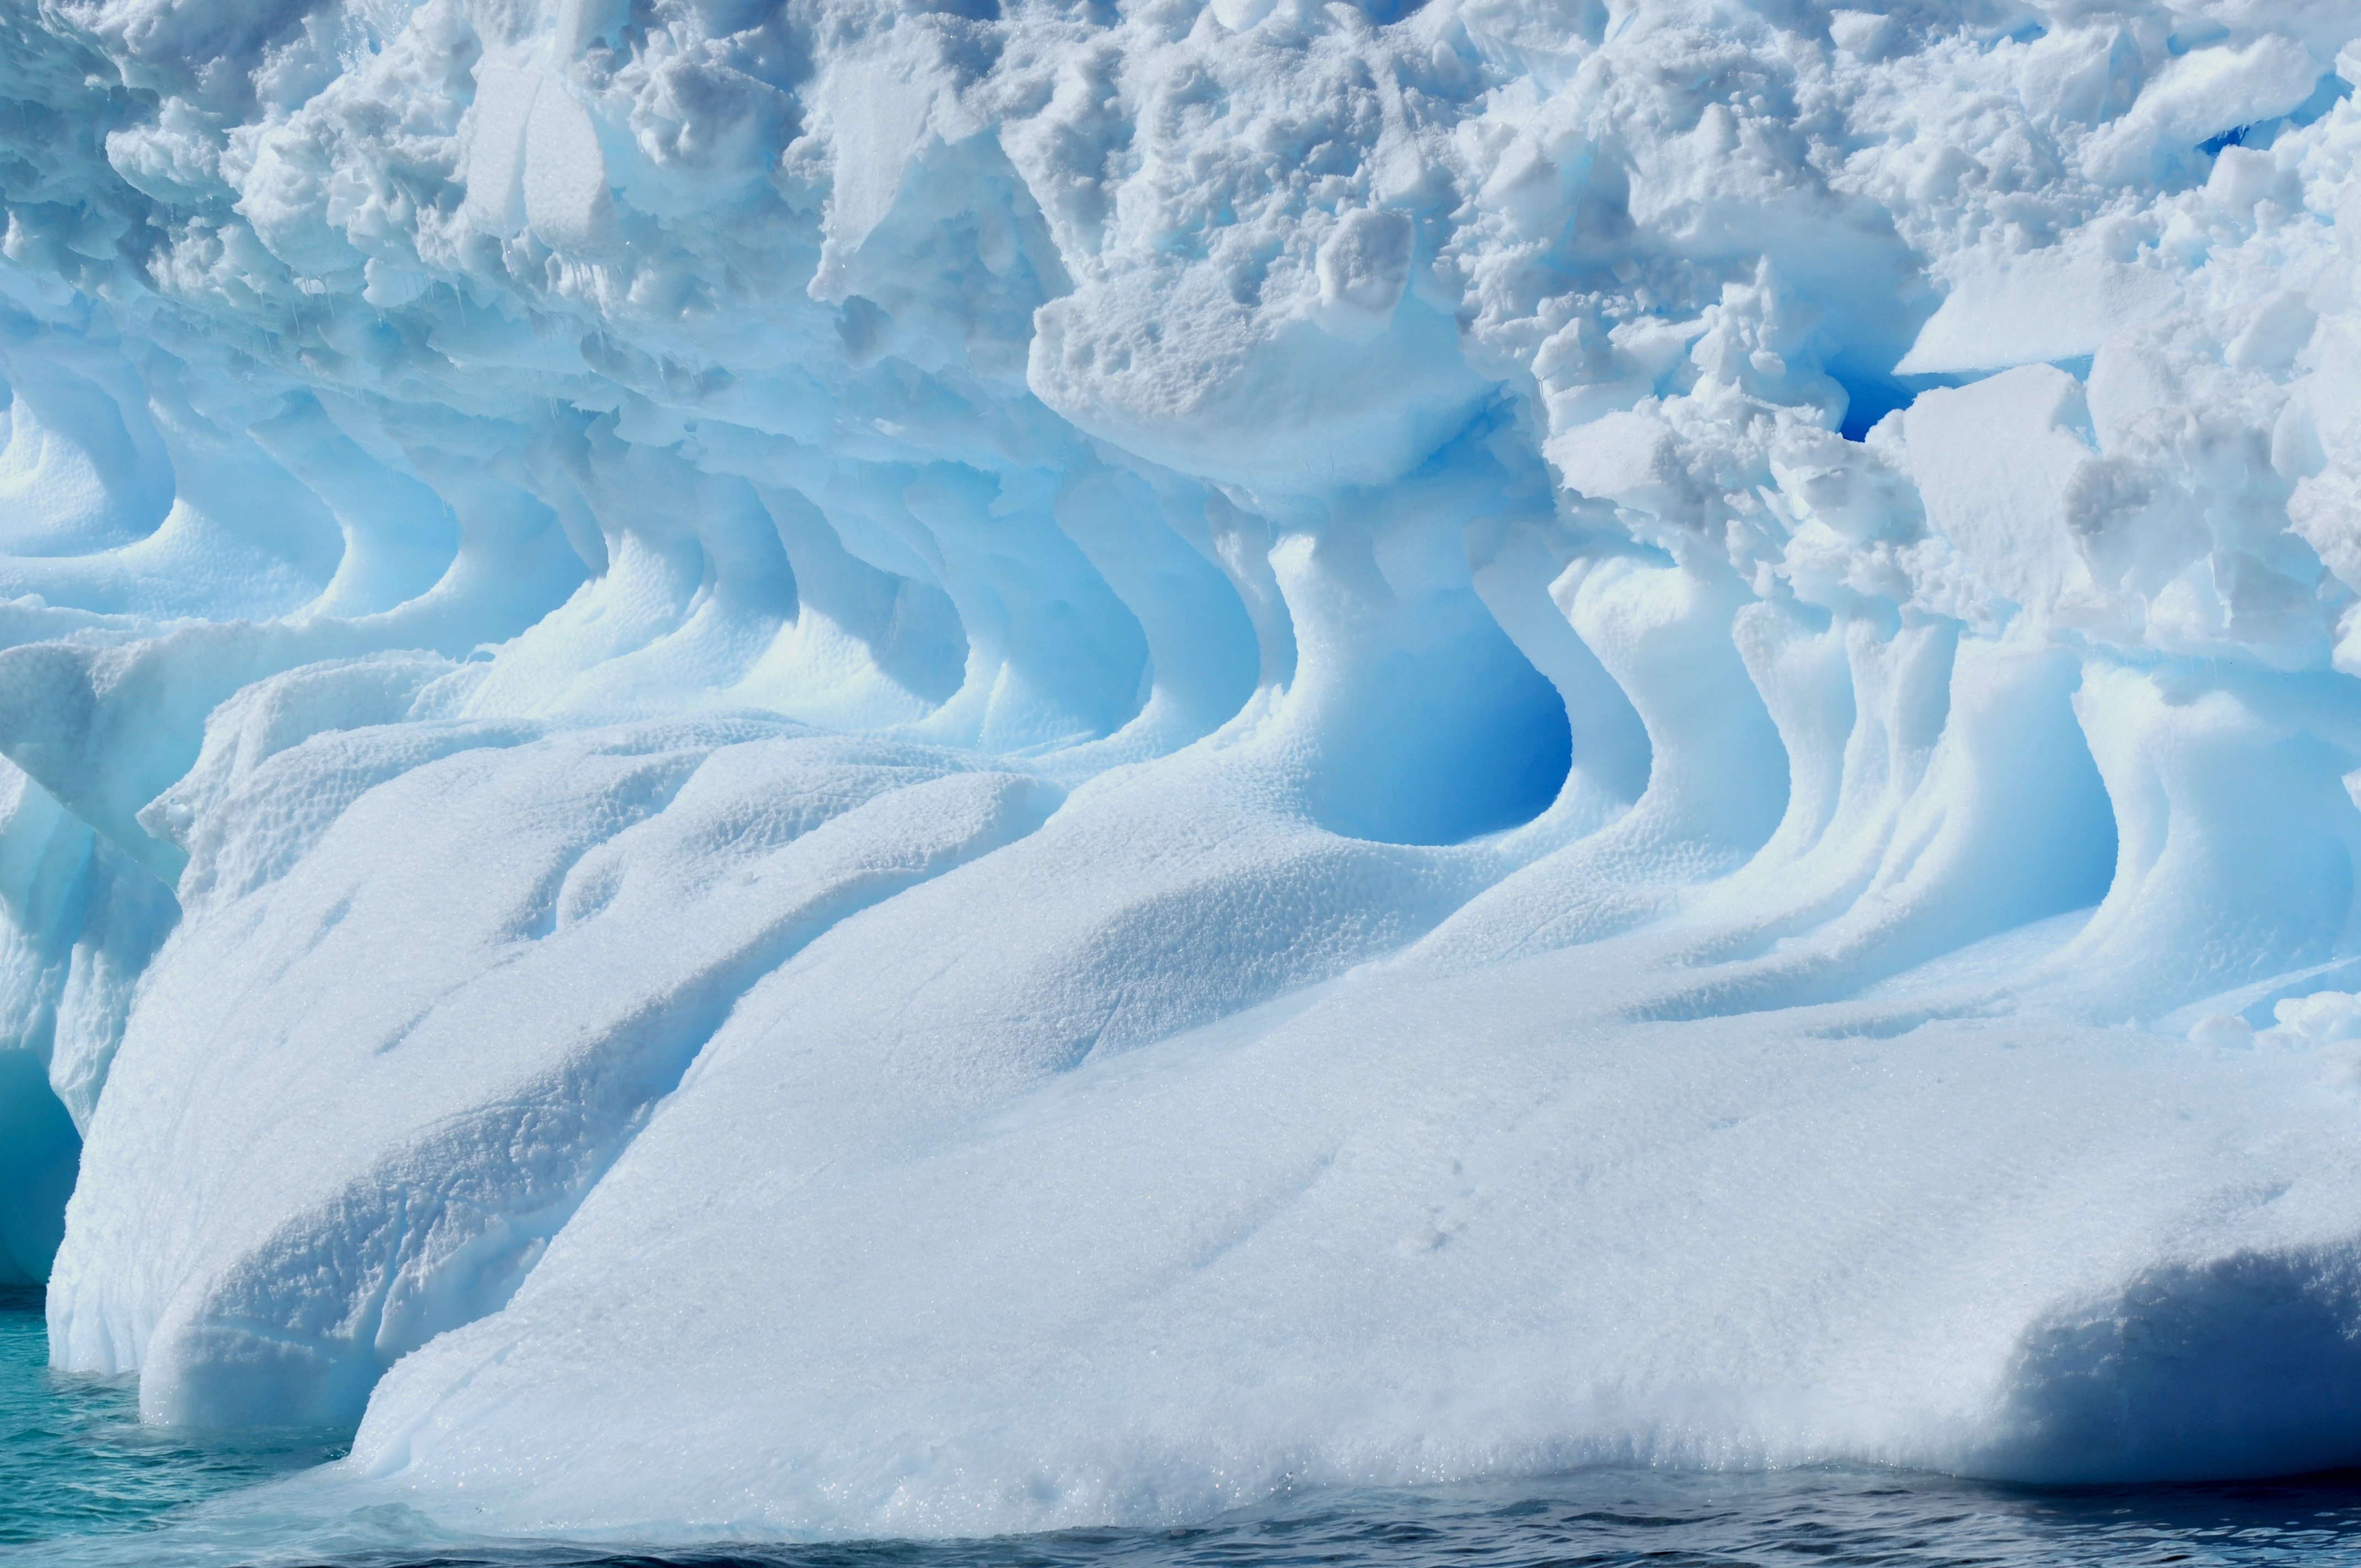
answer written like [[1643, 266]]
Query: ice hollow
[[1002, 767]]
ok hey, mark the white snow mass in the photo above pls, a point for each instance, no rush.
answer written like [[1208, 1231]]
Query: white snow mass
[[815, 768]]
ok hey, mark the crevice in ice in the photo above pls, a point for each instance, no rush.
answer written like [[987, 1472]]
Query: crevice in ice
[[2239, 835], [1420, 721], [1973, 809], [39, 1150], [1716, 776], [905, 625]]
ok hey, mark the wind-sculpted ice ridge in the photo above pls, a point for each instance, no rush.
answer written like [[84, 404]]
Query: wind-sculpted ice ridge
[[818, 769]]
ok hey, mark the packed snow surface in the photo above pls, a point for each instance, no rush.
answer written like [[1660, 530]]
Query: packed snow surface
[[830, 768]]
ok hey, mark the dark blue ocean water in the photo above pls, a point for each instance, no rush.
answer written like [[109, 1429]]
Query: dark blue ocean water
[[81, 1482]]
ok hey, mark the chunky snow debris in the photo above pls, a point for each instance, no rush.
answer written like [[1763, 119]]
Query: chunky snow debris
[[823, 767]]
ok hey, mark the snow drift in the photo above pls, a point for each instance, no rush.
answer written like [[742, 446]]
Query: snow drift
[[989, 766]]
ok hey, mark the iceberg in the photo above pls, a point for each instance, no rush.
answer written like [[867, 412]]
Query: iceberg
[[813, 770]]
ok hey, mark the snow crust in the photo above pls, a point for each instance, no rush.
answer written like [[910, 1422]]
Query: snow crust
[[821, 769]]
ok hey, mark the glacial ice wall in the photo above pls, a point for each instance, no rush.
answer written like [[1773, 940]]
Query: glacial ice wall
[[1004, 765]]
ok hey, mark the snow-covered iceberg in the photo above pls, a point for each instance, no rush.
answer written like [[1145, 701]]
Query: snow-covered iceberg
[[822, 768]]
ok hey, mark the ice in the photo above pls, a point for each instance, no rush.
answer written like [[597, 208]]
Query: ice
[[810, 770], [1997, 463], [82, 921], [2020, 309], [1406, 1235]]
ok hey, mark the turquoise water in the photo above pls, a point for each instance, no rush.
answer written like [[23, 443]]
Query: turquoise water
[[75, 1460], [82, 1483]]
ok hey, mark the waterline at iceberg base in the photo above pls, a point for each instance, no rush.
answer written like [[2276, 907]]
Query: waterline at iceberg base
[[815, 770]]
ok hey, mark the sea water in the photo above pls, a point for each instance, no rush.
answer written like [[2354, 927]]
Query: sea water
[[81, 1481], [76, 1462]]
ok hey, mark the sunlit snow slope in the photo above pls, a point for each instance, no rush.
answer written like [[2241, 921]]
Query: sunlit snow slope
[[825, 768]]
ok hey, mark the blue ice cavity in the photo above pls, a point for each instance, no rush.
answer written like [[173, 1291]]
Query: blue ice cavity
[[41, 1150]]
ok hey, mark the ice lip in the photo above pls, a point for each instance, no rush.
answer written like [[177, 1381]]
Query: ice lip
[[1005, 767]]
